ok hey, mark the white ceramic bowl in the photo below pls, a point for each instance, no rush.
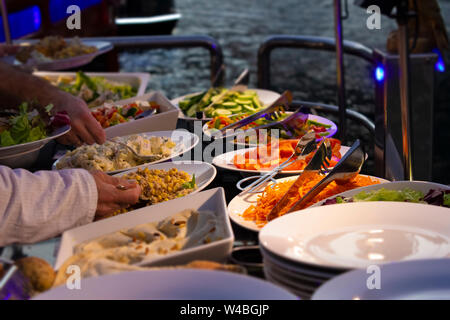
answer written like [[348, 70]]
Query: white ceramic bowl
[[421, 186]]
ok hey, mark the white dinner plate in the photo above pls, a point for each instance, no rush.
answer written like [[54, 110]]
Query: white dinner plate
[[225, 161], [299, 293], [308, 280], [359, 234], [298, 270], [265, 96], [203, 171], [68, 63], [242, 201], [185, 141], [411, 280], [297, 285], [330, 131], [183, 284], [421, 186], [22, 147]]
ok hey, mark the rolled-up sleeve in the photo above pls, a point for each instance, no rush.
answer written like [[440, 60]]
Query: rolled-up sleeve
[[41, 205]]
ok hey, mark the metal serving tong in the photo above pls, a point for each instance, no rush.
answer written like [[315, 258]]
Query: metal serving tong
[[272, 112], [346, 169], [304, 147], [14, 285], [318, 163]]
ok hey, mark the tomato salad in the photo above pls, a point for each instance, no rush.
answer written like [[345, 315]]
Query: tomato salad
[[109, 116]]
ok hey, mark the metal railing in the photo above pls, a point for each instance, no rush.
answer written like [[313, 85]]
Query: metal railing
[[354, 115], [170, 42], [314, 43]]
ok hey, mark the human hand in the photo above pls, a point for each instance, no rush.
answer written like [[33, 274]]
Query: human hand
[[113, 194], [85, 128]]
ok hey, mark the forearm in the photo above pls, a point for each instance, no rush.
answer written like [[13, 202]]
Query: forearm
[[35, 207], [17, 86]]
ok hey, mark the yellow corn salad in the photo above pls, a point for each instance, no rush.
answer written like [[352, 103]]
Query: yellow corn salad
[[161, 185]]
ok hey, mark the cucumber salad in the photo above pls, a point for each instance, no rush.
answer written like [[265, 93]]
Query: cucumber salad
[[221, 102]]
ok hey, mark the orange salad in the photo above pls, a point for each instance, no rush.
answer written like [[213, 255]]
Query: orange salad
[[267, 200], [273, 154]]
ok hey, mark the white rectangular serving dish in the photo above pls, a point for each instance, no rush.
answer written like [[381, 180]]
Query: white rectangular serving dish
[[165, 120], [212, 200], [135, 79]]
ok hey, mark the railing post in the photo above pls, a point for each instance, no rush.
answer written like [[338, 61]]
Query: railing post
[[340, 70]]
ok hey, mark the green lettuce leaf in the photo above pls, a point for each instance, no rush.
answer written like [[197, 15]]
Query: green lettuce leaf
[[6, 140], [390, 195]]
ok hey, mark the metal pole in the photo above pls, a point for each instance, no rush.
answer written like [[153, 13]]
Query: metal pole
[[403, 50], [340, 72], [5, 22]]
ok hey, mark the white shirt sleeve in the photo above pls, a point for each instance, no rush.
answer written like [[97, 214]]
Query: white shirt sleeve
[[41, 205]]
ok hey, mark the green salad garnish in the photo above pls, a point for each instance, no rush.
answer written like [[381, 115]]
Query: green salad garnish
[[190, 184], [96, 90], [26, 127], [405, 195], [447, 200]]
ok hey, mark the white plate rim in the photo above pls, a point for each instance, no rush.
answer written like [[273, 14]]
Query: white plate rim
[[332, 131], [168, 134], [221, 161], [28, 145], [311, 211], [353, 285], [174, 278], [393, 185], [176, 100], [68, 63], [179, 165], [250, 225]]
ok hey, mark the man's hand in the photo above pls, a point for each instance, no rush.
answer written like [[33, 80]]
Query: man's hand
[[113, 194], [85, 128], [17, 86]]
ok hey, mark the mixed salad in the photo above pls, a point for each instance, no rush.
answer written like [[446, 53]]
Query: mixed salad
[[434, 197], [221, 102], [28, 126], [302, 126], [109, 116], [94, 90]]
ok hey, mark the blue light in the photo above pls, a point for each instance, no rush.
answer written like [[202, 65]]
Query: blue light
[[379, 73], [22, 23], [440, 65]]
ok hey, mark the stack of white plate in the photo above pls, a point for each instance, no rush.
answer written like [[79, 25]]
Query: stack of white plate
[[305, 249]]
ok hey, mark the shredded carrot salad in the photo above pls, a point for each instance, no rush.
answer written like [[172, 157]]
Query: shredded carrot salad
[[273, 154], [267, 200]]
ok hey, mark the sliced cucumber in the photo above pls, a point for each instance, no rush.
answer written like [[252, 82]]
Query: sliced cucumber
[[229, 104], [242, 102], [222, 112], [256, 102], [235, 109], [247, 97], [249, 108]]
